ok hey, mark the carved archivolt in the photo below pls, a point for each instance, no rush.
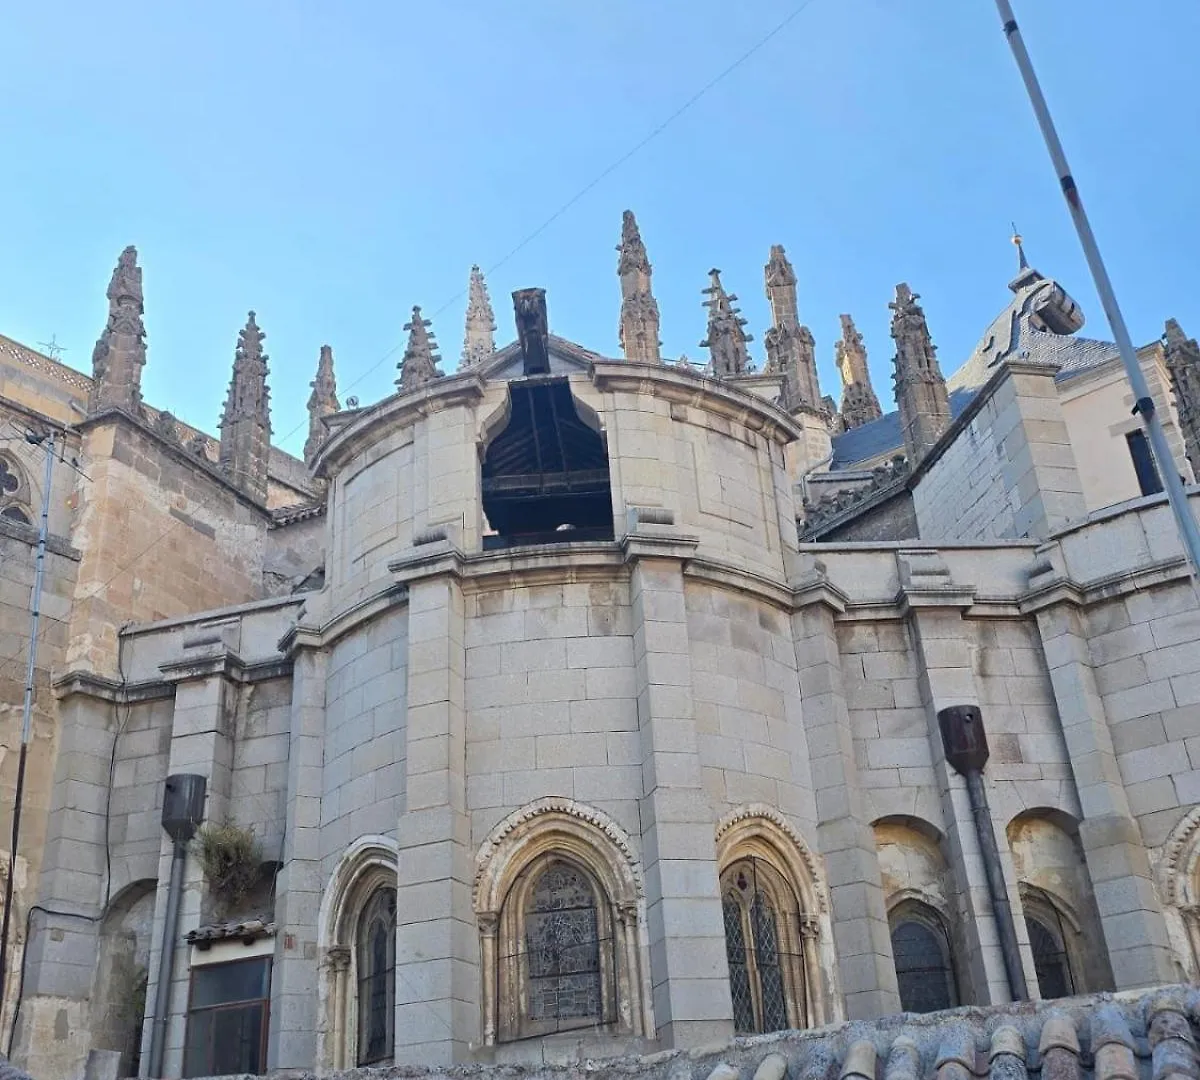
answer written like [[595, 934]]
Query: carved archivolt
[[548, 824], [507, 867], [366, 865], [757, 821], [1180, 854], [1178, 869]]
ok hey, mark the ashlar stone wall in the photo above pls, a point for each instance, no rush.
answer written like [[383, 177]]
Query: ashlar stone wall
[[1006, 468]]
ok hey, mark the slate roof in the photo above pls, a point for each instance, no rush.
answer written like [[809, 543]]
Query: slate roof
[[1074, 355]]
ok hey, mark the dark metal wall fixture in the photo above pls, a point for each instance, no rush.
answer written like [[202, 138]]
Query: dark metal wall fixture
[[966, 748]]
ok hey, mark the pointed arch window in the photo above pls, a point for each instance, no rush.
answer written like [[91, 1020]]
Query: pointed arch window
[[14, 492], [557, 898], [923, 959], [764, 946], [376, 967], [1050, 958], [557, 961]]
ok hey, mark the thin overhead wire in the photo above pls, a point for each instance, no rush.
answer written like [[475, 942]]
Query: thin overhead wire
[[725, 72], [599, 178]]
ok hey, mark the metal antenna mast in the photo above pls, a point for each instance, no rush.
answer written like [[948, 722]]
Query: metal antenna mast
[[47, 443], [1189, 532]]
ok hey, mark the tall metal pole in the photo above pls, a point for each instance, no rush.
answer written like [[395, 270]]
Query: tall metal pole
[[27, 713], [1189, 532]]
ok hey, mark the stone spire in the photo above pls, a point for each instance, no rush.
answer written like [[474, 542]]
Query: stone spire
[[859, 403], [246, 423], [920, 388], [322, 402], [120, 351], [479, 342], [1183, 364], [726, 341], [790, 346], [638, 329], [418, 365]]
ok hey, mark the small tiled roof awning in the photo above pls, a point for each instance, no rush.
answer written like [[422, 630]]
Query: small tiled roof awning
[[245, 930]]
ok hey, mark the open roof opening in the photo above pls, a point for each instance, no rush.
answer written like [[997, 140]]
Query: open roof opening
[[545, 475]]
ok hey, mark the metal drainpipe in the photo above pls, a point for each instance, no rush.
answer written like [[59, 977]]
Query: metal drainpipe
[[966, 748], [166, 960], [182, 812]]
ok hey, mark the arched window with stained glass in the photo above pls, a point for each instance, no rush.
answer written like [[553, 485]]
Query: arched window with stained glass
[[923, 958], [376, 968], [14, 492], [764, 935]]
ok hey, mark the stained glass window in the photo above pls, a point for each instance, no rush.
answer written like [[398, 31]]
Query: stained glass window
[[1049, 960], [739, 975], [922, 957], [763, 963], [562, 947], [377, 978], [766, 955]]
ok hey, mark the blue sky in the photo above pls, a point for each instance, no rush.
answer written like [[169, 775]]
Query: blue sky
[[331, 165]]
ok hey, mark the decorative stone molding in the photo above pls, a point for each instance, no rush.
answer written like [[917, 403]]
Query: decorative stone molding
[[543, 815], [834, 506], [1178, 866], [762, 820]]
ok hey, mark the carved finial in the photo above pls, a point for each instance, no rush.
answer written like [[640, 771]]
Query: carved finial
[[246, 422], [120, 352], [418, 365], [726, 340], [322, 402], [790, 346], [1018, 242], [921, 394], [479, 341], [638, 327], [859, 403], [1183, 367]]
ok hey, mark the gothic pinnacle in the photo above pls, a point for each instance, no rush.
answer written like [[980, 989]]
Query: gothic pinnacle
[[921, 394], [246, 422], [1183, 366], [726, 340], [120, 352], [790, 347], [638, 327], [859, 403], [479, 340], [418, 366], [322, 402]]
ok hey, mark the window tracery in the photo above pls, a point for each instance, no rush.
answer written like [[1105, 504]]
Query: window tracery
[[774, 911], [557, 900], [14, 492], [764, 945]]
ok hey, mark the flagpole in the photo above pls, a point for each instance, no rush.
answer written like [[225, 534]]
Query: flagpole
[[1189, 532]]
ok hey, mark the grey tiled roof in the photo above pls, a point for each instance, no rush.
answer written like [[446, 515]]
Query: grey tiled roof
[[883, 435], [1074, 355], [1148, 1036]]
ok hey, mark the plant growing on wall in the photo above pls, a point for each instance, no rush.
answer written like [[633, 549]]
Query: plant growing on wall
[[231, 858]]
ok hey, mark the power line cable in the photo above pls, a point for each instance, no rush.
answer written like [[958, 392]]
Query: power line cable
[[596, 181], [600, 177]]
